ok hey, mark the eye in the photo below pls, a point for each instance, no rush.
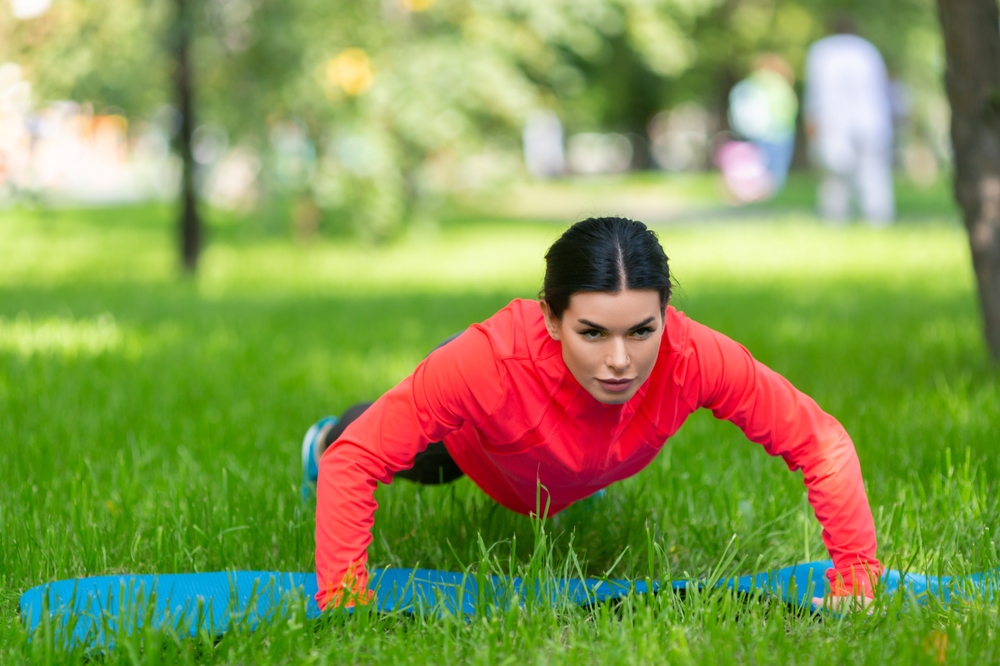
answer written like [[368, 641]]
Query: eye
[[592, 334], [643, 332]]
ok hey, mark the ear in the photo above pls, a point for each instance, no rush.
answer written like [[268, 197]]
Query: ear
[[551, 321]]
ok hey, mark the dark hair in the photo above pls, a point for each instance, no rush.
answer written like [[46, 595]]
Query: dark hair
[[843, 24], [606, 254]]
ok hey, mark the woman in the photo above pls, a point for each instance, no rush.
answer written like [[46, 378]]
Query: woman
[[566, 395]]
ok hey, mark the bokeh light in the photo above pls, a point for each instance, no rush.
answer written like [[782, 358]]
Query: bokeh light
[[351, 70]]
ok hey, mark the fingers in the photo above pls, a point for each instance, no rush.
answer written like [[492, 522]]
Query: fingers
[[843, 603]]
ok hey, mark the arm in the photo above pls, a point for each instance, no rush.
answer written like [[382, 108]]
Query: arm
[[788, 423], [445, 391]]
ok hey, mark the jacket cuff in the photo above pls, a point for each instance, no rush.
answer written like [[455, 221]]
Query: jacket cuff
[[855, 579], [351, 591]]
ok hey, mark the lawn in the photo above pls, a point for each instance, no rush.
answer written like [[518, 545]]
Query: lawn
[[150, 423]]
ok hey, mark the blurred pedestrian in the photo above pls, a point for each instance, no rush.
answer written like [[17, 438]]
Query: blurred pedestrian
[[848, 116], [544, 156], [762, 110]]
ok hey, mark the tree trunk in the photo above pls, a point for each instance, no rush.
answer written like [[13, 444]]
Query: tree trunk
[[971, 31], [190, 221]]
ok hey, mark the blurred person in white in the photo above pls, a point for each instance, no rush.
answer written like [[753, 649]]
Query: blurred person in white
[[848, 116], [762, 110], [544, 156]]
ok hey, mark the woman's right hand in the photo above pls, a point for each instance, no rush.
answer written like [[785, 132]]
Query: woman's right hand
[[843, 603]]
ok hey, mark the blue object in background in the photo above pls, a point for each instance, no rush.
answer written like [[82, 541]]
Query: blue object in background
[[92, 611]]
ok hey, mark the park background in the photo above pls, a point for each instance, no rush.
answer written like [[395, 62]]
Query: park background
[[356, 178]]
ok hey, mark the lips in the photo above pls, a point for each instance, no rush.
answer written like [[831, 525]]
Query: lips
[[616, 385]]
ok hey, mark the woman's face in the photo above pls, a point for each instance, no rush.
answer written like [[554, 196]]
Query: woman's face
[[609, 341]]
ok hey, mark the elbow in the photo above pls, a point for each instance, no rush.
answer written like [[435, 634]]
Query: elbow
[[830, 461], [346, 460]]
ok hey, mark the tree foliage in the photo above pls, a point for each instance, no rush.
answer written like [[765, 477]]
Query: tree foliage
[[371, 108]]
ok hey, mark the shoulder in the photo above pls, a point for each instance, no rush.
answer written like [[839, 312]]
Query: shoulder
[[677, 333], [692, 337], [817, 48], [840, 46], [870, 52], [501, 356], [679, 369], [692, 347], [517, 332], [832, 47], [675, 347]]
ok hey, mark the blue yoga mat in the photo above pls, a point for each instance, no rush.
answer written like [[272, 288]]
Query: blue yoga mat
[[91, 611]]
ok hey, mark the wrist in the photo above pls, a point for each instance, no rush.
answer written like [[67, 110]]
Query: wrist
[[855, 579]]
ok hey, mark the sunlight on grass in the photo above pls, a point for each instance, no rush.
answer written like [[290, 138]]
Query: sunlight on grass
[[487, 257], [934, 257], [494, 256], [484, 256], [68, 337]]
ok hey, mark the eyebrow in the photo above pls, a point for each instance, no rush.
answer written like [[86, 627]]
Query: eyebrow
[[644, 322]]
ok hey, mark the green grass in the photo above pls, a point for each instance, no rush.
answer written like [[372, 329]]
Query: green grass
[[151, 424]]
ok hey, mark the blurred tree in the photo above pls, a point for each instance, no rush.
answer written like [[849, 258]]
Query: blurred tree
[[123, 56], [92, 52], [190, 224], [88, 51], [403, 100], [972, 77]]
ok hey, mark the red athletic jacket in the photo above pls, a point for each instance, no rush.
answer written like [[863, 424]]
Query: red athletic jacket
[[512, 416]]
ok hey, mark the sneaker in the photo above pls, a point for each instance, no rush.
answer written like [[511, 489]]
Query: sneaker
[[591, 503], [311, 451]]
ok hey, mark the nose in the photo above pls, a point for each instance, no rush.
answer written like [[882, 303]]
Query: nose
[[618, 359]]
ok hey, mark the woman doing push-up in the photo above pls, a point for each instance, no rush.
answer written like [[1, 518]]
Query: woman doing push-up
[[564, 396]]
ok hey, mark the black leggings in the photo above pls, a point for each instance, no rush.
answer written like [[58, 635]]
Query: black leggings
[[432, 466]]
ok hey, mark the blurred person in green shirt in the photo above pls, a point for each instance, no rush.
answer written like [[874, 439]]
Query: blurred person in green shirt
[[762, 111]]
